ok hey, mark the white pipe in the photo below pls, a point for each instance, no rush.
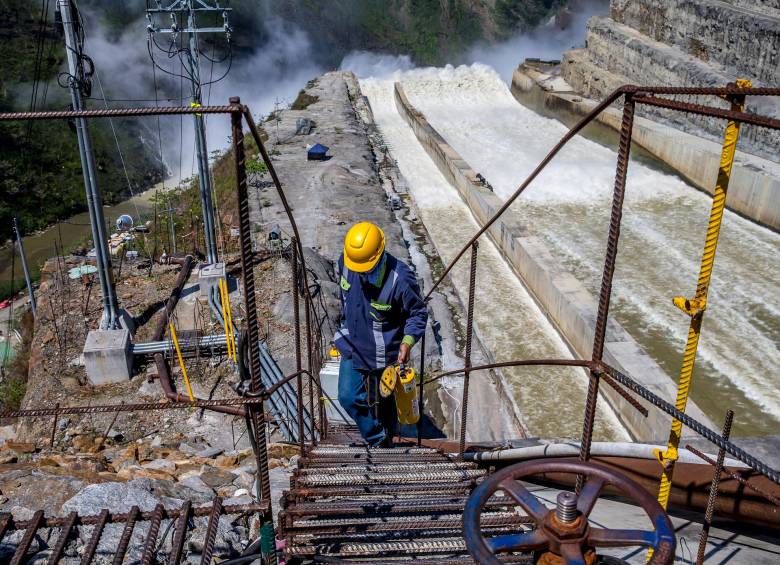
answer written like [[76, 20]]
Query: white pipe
[[598, 448]]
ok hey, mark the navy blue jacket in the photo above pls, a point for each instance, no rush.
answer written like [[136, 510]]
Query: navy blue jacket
[[376, 318]]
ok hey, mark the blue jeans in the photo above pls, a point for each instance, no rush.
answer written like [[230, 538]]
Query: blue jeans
[[376, 417]]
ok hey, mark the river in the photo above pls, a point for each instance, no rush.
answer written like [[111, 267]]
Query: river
[[74, 231]]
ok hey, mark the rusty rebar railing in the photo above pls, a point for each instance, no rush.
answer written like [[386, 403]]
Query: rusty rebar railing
[[598, 370], [633, 95]]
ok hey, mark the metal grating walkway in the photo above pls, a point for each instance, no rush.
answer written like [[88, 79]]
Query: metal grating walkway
[[349, 504]]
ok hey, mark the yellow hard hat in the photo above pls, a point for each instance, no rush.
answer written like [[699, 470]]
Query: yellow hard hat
[[363, 247]]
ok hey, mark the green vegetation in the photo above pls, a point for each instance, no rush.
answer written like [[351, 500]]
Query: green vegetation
[[14, 383], [303, 101], [431, 32], [40, 170]]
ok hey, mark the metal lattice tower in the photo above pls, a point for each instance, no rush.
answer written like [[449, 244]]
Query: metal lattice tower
[[191, 11]]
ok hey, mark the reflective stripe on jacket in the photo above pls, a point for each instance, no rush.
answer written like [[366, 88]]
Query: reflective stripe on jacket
[[376, 318]]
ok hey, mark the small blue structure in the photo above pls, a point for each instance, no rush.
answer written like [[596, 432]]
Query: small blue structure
[[317, 152]]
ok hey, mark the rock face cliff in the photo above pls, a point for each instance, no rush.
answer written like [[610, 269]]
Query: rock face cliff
[[685, 43]]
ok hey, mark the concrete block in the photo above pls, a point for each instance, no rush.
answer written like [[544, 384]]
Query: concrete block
[[107, 356], [209, 276]]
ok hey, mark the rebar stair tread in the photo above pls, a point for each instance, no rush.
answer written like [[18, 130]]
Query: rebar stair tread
[[348, 504]]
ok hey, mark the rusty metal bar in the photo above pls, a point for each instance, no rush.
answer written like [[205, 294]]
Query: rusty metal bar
[[58, 522], [108, 429], [177, 544], [467, 357], [256, 414], [554, 363], [116, 113], [151, 539], [624, 154], [708, 434], [29, 534], [307, 322], [211, 532], [54, 425], [62, 541], [6, 524], [517, 363], [713, 497], [734, 475], [89, 551], [722, 113], [108, 408], [420, 385], [589, 117], [297, 337], [127, 533], [173, 298], [730, 89]]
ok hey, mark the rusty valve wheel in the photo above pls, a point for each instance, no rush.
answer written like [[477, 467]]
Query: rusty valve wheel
[[563, 534]]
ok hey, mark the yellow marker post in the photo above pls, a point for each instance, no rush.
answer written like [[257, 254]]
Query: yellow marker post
[[181, 361], [695, 306], [229, 337], [230, 322]]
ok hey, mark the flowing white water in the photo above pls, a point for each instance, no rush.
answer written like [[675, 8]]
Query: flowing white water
[[509, 321], [661, 241]]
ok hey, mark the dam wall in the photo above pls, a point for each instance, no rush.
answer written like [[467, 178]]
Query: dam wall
[[685, 43], [565, 300], [754, 189]]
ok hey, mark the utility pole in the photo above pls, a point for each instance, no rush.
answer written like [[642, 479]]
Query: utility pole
[[33, 305], [77, 80], [189, 9]]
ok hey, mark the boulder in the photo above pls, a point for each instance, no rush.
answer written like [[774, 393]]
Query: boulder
[[196, 483], [227, 460], [214, 477], [118, 497], [165, 465], [20, 447]]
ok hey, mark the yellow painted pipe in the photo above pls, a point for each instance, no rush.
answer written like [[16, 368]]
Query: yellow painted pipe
[[181, 361]]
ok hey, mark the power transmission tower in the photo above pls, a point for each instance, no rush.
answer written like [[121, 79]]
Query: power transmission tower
[[79, 84], [191, 12]]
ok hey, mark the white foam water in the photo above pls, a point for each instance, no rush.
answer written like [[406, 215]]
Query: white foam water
[[662, 235], [508, 320]]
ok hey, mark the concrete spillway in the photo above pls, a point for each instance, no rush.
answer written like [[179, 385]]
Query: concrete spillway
[[509, 321], [663, 231]]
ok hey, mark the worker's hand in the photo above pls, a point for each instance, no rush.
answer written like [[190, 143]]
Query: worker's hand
[[403, 354]]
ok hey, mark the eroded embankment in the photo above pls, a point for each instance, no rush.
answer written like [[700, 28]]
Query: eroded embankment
[[570, 306]]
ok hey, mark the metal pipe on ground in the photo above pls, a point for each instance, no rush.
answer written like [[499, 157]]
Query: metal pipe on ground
[[598, 448]]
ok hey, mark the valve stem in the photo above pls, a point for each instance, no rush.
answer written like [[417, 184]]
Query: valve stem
[[566, 507]]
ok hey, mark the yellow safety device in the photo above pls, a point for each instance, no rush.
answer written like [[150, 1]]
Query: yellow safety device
[[363, 247], [696, 306], [406, 403], [402, 382], [388, 380]]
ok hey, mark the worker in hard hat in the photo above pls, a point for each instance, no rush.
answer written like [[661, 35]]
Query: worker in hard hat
[[383, 316]]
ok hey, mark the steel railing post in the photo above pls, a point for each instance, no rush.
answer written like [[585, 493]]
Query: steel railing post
[[297, 329], [624, 153], [469, 335], [256, 412]]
